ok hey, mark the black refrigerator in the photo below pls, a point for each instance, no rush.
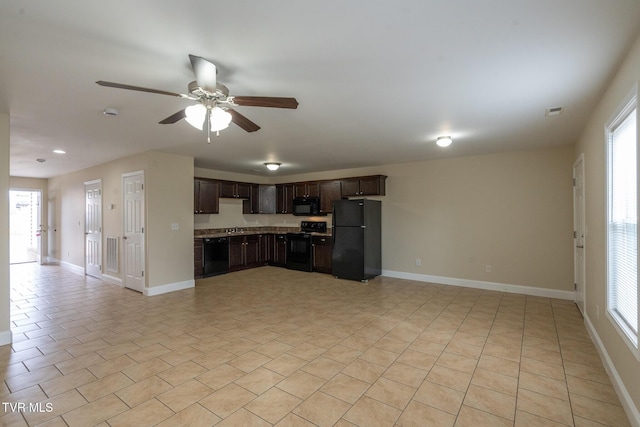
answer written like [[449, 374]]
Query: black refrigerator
[[356, 239]]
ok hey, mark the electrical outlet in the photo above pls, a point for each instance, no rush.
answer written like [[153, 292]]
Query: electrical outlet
[[487, 268], [418, 262]]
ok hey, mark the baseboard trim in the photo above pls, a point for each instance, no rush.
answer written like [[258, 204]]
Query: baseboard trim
[[478, 284], [70, 266], [618, 385], [6, 338], [113, 280], [169, 287]]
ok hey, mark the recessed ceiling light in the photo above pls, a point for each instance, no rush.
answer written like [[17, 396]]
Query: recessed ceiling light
[[444, 141], [57, 151]]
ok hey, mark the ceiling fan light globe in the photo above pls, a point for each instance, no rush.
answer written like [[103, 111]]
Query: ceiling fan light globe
[[195, 115], [444, 141], [219, 119]]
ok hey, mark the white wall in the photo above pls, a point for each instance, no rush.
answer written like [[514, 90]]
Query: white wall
[[623, 364]]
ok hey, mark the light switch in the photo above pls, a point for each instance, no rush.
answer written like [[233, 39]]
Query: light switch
[[175, 226]]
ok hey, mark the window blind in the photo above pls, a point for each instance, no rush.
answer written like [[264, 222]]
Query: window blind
[[623, 224]]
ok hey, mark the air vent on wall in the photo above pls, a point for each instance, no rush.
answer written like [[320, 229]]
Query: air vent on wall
[[555, 111]]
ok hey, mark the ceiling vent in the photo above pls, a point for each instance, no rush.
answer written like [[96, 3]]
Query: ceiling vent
[[555, 111]]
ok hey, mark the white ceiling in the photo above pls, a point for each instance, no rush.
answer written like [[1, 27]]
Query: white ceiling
[[377, 81]]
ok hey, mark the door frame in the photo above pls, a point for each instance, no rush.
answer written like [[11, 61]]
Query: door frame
[[40, 255], [580, 294], [100, 248], [124, 228]]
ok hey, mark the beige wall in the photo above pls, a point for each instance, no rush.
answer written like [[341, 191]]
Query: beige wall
[[592, 144], [5, 333], [169, 193], [168, 199], [512, 211]]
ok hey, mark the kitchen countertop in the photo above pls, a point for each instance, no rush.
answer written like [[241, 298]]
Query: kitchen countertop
[[244, 231]]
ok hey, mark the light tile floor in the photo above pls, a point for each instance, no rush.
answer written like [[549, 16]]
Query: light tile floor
[[271, 346]]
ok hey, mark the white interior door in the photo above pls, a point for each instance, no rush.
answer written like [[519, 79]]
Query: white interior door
[[93, 228], [134, 255], [579, 232]]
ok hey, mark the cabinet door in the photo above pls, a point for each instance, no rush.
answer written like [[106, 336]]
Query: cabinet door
[[236, 252], [372, 186], [306, 189], [252, 204], [280, 250], [329, 192], [198, 256], [284, 196], [243, 190], [227, 189], [299, 189], [270, 247], [208, 199], [322, 254], [267, 202], [196, 196], [313, 189], [350, 187], [265, 253], [252, 250]]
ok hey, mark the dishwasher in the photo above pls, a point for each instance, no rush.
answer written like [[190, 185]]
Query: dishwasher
[[216, 256]]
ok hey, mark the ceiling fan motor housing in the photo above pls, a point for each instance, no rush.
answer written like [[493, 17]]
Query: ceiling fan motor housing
[[222, 92]]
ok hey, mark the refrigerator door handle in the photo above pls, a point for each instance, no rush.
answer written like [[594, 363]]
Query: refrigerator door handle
[[363, 226]]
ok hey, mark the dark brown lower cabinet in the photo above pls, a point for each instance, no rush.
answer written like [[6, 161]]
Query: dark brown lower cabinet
[[322, 248], [278, 245], [244, 252], [198, 257]]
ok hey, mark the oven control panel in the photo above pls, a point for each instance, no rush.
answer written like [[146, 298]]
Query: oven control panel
[[313, 226]]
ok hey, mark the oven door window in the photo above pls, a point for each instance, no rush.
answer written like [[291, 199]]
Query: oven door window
[[298, 246]]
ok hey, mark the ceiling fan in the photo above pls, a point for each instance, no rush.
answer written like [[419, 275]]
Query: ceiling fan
[[213, 111]]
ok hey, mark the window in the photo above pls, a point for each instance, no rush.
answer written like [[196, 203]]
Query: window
[[622, 220]]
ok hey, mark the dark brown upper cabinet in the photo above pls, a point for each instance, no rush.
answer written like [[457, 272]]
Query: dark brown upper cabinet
[[306, 189], [235, 190], [205, 196], [284, 198], [329, 192], [364, 186]]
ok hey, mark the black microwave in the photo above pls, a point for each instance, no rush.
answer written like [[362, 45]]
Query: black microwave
[[306, 206]]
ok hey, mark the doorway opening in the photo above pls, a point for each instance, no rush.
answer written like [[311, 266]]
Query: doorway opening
[[25, 226]]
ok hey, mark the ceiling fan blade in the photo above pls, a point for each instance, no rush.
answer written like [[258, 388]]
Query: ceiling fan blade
[[266, 101], [242, 121], [138, 88], [174, 118], [205, 73]]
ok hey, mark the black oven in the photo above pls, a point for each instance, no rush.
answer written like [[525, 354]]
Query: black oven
[[299, 251]]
